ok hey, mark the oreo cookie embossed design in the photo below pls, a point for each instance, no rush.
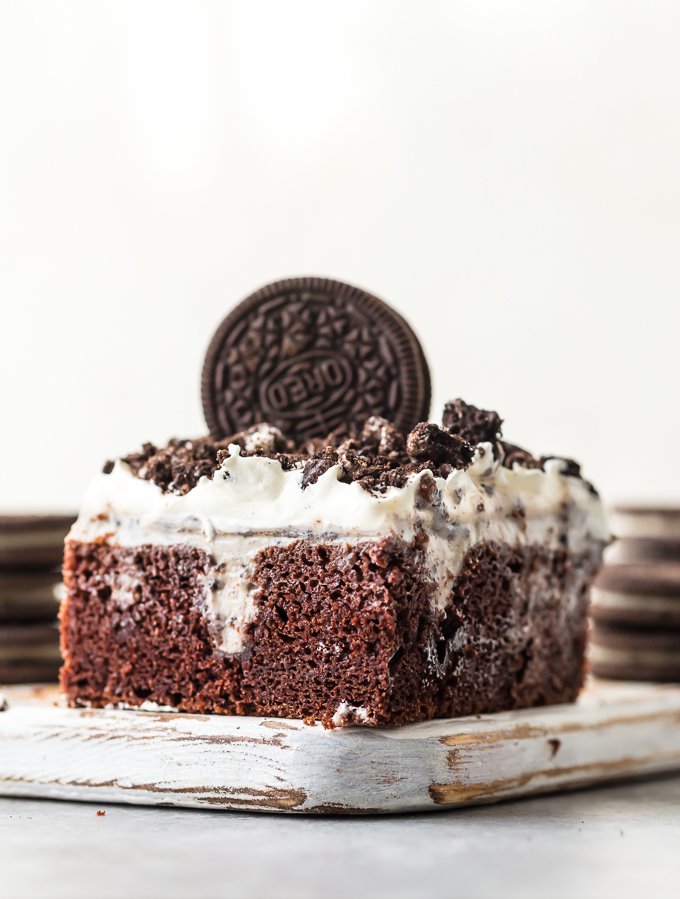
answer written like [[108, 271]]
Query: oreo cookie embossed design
[[310, 355]]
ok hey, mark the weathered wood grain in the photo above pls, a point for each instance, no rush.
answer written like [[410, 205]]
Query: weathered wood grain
[[164, 758]]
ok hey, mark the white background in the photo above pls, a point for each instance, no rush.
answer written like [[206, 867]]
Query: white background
[[507, 174]]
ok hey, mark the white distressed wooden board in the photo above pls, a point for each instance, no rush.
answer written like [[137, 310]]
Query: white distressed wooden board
[[266, 764]]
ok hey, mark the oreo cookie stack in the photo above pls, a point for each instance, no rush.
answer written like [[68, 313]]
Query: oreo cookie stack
[[31, 550], [636, 598]]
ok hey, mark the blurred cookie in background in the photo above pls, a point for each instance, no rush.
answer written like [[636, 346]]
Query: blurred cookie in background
[[644, 534], [646, 523], [29, 653], [635, 654], [635, 604], [28, 595], [33, 541], [634, 549], [31, 551], [647, 595]]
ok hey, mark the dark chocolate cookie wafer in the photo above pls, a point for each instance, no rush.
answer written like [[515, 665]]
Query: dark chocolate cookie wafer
[[625, 654], [29, 653], [29, 672], [312, 355], [644, 594], [33, 540], [631, 550], [28, 595]]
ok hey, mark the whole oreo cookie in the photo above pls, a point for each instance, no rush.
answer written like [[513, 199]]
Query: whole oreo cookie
[[27, 595], [33, 541], [647, 595], [625, 654], [29, 673], [630, 550], [636, 621], [29, 653], [312, 355]]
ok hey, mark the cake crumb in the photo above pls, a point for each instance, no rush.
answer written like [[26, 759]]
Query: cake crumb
[[100, 813], [554, 745], [346, 715]]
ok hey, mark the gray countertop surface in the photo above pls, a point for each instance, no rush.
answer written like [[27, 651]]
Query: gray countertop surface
[[619, 841]]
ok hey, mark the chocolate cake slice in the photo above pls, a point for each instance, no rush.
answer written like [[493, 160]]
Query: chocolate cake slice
[[373, 578]]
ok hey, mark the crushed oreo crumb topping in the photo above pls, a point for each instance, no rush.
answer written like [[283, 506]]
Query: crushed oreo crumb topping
[[177, 467], [569, 466], [511, 455], [383, 438], [260, 438], [472, 424], [429, 443], [377, 457]]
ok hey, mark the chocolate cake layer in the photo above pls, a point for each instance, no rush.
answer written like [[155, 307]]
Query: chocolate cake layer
[[346, 634]]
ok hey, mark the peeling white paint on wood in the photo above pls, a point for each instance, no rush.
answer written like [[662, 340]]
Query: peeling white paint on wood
[[267, 764]]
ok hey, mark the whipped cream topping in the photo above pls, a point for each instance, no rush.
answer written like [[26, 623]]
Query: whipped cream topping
[[252, 502], [255, 494]]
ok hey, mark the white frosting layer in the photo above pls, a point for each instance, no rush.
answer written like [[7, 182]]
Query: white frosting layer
[[347, 714], [254, 494], [229, 591], [251, 502]]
